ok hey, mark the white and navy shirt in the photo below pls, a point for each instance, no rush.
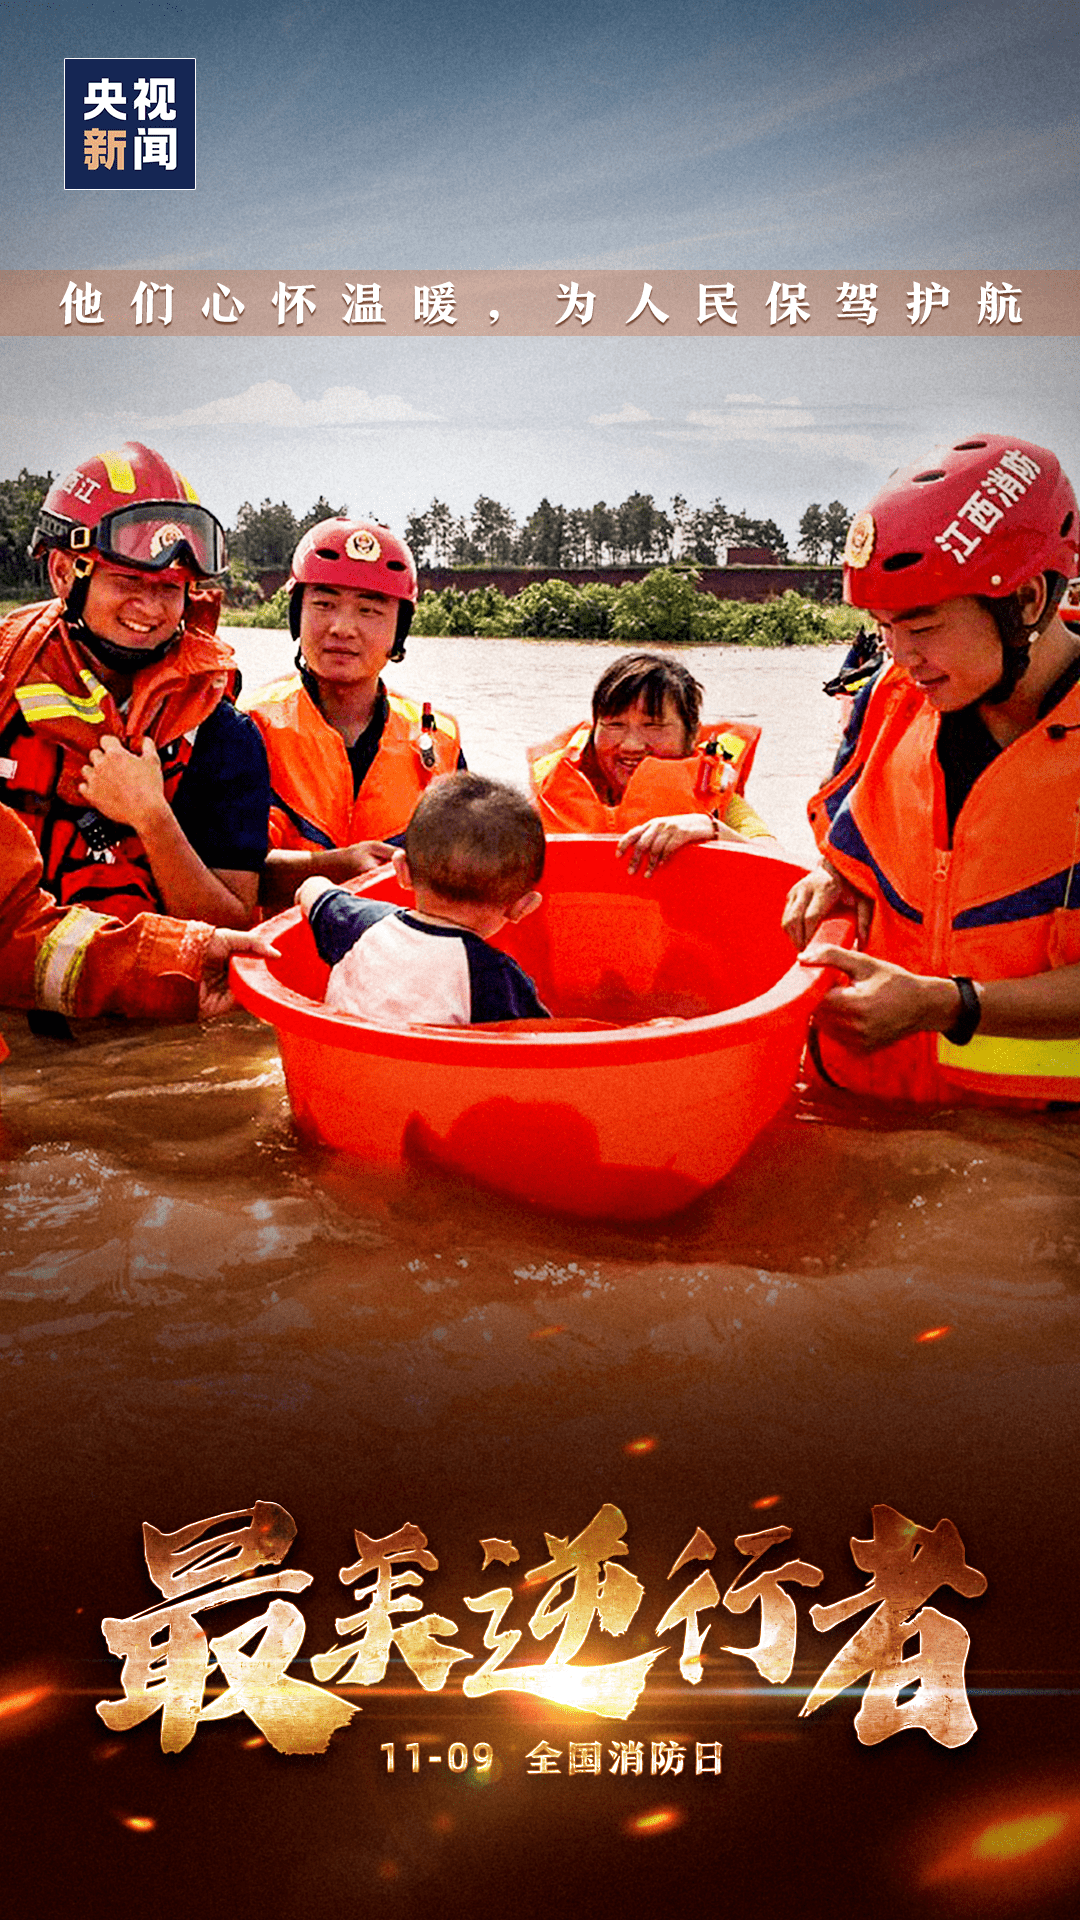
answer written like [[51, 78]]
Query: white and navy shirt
[[387, 965]]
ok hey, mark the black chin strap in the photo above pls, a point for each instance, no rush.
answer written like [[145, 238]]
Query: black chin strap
[[1016, 642], [1015, 661], [77, 592], [1017, 638], [121, 659]]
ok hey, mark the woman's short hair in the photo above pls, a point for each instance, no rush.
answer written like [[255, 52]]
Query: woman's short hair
[[652, 678]]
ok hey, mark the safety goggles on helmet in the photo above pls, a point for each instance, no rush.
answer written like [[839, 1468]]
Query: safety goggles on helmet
[[152, 535]]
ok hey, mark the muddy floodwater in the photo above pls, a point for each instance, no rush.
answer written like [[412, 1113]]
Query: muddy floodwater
[[199, 1310]]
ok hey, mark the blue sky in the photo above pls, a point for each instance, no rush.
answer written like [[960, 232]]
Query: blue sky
[[707, 132], [711, 136]]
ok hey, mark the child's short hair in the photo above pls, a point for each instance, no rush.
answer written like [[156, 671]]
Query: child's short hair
[[475, 839], [649, 677]]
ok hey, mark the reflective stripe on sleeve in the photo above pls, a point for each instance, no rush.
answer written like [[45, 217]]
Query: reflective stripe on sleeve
[[60, 959], [46, 701]]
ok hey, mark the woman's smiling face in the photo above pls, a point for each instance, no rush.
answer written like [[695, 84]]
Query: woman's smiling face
[[621, 741]]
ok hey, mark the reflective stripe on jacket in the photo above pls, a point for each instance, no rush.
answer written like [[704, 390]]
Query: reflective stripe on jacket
[[703, 781], [1003, 902], [54, 710], [312, 802]]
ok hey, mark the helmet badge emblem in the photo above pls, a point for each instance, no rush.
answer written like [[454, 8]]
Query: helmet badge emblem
[[861, 536], [362, 545]]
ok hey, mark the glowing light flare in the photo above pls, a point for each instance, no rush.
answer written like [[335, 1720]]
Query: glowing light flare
[[256, 1740], [137, 1822], [545, 1333], [443, 1823], [645, 1443], [931, 1333], [1029, 1849], [27, 1702], [23, 1701], [643, 1826], [1012, 1839], [767, 1500]]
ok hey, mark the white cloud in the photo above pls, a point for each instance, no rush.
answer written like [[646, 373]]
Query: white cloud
[[756, 400], [627, 416], [272, 403], [759, 423], [786, 433]]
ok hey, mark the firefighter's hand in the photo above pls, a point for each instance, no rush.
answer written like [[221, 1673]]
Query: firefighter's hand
[[656, 840], [881, 1003], [363, 857], [817, 897], [126, 787], [215, 994]]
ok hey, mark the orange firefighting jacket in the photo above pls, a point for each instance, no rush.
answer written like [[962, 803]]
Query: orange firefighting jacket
[[709, 778], [311, 781], [74, 961], [54, 709], [1003, 902]]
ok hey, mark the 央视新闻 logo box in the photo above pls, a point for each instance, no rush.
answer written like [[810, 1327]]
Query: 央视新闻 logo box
[[129, 123]]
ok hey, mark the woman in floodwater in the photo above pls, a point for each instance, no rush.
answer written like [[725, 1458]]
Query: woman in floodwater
[[647, 769]]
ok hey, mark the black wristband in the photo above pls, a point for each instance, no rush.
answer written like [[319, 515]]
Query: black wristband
[[969, 1015]]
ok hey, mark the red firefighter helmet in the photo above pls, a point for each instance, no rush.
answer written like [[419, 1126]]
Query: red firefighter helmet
[[978, 517], [359, 554], [131, 507], [355, 553]]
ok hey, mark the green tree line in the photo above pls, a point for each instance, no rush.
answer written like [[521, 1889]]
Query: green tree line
[[19, 503], [637, 532]]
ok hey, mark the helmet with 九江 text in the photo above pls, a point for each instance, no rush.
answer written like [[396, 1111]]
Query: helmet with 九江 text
[[130, 507]]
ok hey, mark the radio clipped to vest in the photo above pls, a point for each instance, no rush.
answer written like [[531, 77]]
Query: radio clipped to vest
[[718, 775], [425, 740]]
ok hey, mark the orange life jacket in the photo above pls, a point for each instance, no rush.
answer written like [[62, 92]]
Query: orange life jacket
[[703, 781], [311, 781], [830, 797], [54, 709], [75, 961], [1003, 902]]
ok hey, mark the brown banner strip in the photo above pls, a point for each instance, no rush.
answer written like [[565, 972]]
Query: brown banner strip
[[719, 303]]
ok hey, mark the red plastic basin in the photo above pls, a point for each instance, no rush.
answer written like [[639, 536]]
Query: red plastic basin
[[625, 1120]]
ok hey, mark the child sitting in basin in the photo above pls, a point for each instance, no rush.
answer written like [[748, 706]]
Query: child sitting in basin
[[473, 853]]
